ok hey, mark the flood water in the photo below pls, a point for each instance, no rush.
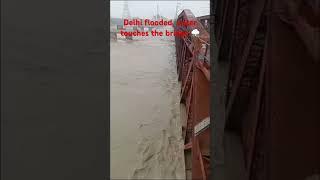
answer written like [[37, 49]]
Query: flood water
[[146, 140]]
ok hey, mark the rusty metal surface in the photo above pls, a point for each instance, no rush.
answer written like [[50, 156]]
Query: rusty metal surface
[[273, 87], [297, 110], [193, 67], [304, 17]]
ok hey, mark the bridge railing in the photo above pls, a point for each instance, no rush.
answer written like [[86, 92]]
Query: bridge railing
[[193, 67]]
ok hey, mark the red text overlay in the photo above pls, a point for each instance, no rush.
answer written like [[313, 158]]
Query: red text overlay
[[147, 27]]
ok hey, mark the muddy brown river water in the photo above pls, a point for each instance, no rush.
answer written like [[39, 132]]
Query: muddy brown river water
[[146, 140]]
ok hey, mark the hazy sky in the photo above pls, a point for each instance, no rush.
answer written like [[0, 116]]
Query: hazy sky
[[147, 9]]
